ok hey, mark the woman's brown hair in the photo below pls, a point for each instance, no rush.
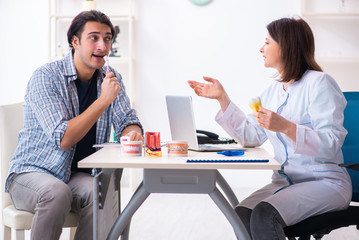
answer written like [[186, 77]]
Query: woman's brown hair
[[296, 41]]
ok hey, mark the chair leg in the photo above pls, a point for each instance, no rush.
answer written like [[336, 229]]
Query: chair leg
[[6, 232], [19, 234], [72, 233]]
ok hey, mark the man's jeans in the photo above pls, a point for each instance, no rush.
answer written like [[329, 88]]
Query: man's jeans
[[51, 200]]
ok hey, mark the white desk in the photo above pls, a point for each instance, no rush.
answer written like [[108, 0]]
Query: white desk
[[164, 175]]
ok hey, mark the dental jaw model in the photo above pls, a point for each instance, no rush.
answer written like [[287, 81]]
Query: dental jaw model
[[255, 104]]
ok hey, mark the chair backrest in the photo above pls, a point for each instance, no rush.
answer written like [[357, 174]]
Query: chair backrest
[[351, 144], [11, 122]]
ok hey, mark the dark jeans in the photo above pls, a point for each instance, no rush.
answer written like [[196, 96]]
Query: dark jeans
[[263, 222]]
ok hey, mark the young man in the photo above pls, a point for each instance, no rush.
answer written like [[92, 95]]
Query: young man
[[70, 105]]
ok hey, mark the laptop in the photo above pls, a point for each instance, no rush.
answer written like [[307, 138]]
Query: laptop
[[183, 128]]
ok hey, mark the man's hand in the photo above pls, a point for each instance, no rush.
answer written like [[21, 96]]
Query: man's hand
[[134, 136], [80, 125], [134, 132], [109, 88]]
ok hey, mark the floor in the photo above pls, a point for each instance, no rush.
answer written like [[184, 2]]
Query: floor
[[193, 217], [190, 217]]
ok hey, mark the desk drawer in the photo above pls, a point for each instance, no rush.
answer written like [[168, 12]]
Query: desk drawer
[[179, 181]]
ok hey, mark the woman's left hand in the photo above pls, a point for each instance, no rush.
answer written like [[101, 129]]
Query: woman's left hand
[[276, 123]]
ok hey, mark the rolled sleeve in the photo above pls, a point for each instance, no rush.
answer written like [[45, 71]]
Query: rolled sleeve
[[129, 119], [59, 133]]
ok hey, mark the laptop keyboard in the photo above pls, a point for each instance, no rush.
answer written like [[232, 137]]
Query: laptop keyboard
[[218, 141], [206, 147], [213, 147]]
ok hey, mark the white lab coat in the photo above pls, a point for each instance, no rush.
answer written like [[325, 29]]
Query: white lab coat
[[312, 182]]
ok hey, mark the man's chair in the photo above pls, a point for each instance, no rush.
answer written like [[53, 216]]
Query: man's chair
[[11, 122], [323, 224]]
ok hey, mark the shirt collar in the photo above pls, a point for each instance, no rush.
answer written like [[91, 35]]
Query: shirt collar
[[282, 91], [70, 69], [69, 66]]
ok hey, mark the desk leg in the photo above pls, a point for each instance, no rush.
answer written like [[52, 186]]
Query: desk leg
[[232, 198], [107, 201], [230, 214], [124, 219], [126, 233]]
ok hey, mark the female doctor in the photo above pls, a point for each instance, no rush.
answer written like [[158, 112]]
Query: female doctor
[[302, 116]]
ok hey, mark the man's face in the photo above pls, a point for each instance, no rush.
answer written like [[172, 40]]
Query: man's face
[[94, 45]]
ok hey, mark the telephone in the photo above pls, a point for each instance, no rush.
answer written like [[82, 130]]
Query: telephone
[[212, 138]]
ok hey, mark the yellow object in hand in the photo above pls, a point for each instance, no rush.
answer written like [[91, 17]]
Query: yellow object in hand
[[255, 104]]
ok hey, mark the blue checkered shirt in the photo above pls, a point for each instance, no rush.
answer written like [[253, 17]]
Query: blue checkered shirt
[[51, 100]]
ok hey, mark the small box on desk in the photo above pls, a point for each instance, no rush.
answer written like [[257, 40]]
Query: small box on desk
[[153, 144]]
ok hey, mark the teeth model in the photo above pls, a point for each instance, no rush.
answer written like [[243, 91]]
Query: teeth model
[[255, 104]]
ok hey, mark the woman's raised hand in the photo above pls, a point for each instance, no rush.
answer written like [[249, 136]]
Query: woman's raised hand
[[213, 89]]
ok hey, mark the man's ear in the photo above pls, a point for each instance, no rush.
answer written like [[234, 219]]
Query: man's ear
[[75, 42]]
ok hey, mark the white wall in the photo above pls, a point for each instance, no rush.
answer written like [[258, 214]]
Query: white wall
[[178, 41], [175, 41], [24, 45]]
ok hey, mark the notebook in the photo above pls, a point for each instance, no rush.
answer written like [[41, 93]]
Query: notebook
[[183, 128]]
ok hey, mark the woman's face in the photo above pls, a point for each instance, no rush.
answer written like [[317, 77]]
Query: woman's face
[[271, 54]]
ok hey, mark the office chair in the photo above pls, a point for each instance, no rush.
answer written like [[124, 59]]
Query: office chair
[[11, 121], [323, 224]]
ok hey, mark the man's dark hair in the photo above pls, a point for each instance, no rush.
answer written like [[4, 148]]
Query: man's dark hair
[[78, 23]]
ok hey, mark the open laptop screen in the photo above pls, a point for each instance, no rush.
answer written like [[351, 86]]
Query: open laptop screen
[[183, 128], [181, 120]]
